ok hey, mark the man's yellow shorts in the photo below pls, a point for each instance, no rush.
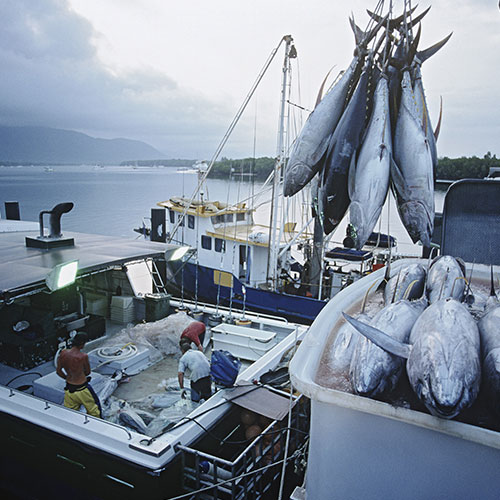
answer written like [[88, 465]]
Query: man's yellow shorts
[[86, 397]]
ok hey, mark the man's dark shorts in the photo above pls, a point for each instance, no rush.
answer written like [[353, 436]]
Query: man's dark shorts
[[201, 389]]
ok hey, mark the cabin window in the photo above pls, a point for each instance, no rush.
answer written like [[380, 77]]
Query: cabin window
[[244, 254], [191, 221], [220, 245], [181, 220], [171, 214], [220, 219], [240, 217], [206, 242]]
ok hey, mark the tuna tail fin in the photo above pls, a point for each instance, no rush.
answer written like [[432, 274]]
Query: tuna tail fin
[[380, 338], [363, 38], [412, 22], [359, 34], [423, 55], [394, 23]]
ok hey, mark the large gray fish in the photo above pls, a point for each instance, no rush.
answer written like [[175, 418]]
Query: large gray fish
[[312, 143], [489, 330], [130, 418], [373, 370], [412, 170], [308, 152], [369, 180], [443, 357], [341, 152], [418, 89], [408, 283], [344, 345], [446, 278]]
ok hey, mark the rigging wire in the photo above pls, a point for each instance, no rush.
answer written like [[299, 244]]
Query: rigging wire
[[197, 222], [230, 129]]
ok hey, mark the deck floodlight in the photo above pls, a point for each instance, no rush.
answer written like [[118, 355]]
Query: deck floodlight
[[62, 275], [176, 253]]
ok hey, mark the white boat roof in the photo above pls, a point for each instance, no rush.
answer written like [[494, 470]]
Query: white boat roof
[[22, 266], [255, 234]]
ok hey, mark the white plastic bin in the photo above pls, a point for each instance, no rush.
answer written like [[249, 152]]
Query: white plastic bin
[[362, 448], [242, 341], [122, 309]]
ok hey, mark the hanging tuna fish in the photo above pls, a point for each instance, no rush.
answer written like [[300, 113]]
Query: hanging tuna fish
[[360, 138]]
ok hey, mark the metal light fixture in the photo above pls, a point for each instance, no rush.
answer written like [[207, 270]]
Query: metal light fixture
[[176, 253], [62, 275]]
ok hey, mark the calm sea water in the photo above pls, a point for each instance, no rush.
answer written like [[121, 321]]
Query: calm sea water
[[114, 200], [108, 200]]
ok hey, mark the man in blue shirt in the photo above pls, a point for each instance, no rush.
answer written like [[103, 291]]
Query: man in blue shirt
[[199, 366]]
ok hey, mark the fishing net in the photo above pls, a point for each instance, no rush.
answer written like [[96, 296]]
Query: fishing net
[[160, 338]]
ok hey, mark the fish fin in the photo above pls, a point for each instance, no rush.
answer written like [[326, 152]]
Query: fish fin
[[423, 55], [322, 87], [387, 277], [351, 182], [413, 47], [359, 34], [492, 283], [394, 23], [438, 126], [332, 140], [363, 38], [433, 261], [397, 178], [379, 338], [461, 264], [418, 18]]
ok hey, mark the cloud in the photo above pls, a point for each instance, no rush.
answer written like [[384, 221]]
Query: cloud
[[173, 74], [52, 76]]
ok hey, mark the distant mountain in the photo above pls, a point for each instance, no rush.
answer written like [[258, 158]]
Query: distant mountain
[[50, 145]]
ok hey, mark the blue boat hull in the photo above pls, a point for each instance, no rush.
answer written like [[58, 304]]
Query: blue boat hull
[[295, 308]]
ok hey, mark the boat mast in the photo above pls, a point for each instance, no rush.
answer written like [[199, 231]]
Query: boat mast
[[272, 262]]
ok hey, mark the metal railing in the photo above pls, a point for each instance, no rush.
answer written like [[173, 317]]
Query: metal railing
[[254, 471]]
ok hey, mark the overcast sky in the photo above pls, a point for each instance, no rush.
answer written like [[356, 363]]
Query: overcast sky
[[173, 73]]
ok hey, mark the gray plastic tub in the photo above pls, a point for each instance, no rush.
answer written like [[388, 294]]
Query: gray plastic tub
[[361, 448]]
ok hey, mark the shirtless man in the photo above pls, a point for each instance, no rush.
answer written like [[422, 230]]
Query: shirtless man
[[75, 364]]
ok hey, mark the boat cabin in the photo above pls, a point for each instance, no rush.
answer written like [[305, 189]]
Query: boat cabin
[[227, 239]]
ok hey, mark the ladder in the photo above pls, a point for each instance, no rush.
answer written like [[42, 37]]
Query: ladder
[[155, 276]]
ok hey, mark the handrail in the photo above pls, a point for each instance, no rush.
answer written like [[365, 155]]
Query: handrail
[[248, 314], [49, 405]]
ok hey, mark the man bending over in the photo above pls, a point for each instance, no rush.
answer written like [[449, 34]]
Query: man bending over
[[199, 366]]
